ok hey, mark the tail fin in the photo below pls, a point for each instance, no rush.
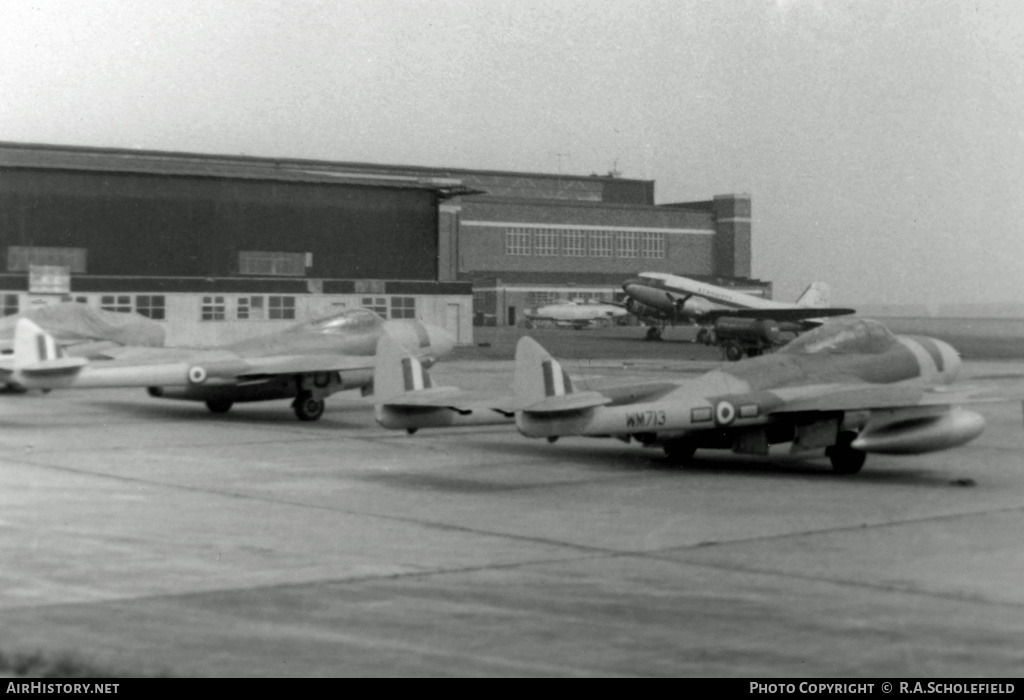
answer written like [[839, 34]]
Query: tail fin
[[542, 386], [396, 372], [538, 375], [39, 363], [817, 296]]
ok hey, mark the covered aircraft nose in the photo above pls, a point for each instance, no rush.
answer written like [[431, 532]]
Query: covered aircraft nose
[[419, 338]]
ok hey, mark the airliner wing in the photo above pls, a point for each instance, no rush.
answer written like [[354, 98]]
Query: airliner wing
[[792, 314]]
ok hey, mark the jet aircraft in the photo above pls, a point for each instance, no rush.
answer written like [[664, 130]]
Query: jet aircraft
[[849, 387], [575, 314], [740, 323], [306, 362]]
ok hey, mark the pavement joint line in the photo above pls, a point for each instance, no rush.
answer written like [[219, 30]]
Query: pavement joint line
[[541, 540], [661, 554], [864, 585]]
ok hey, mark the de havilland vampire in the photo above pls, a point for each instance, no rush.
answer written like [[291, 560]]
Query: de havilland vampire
[[576, 314], [739, 323], [849, 387], [306, 362]]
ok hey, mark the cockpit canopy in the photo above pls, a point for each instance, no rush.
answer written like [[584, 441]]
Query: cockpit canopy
[[346, 321], [852, 336]]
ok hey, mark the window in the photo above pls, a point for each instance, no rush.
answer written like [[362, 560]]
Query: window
[[213, 309], [378, 305], [151, 305], [281, 307], [652, 245], [116, 303], [601, 244], [8, 304], [628, 245], [574, 244], [253, 262], [546, 243], [517, 241], [403, 307], [20, 258], [250, 309], [538, 299]]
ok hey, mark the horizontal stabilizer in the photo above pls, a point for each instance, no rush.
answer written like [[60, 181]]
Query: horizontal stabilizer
[[568, 402], [59, 366]]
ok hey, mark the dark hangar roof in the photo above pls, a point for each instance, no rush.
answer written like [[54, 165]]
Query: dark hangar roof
[[120, 160]]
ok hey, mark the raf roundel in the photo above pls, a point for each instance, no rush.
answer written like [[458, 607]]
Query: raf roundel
[[725, 413], [196, 375]]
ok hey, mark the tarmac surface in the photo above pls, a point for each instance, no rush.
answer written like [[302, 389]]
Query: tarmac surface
[[155, 537]]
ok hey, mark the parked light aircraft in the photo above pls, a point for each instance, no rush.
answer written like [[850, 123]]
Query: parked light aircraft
[[740, 323], [306, 362], [574, 314], [849, 387]]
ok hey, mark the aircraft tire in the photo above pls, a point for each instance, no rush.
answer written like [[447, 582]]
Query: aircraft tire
[[845, 459], [733, 352], [679, 451], [308, 409], [702, 336], [653, 333], [219, 405]]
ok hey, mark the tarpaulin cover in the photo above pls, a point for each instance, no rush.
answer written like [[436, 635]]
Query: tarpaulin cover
[[71, 322]]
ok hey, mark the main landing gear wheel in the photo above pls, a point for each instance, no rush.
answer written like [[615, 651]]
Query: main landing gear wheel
[[308, 408], [653, 333], [679, 451], [733, 352], [845, 459], [219, 405], [702, 336]]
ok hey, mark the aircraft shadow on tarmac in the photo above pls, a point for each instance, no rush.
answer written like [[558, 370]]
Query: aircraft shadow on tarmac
[[631, 460], [256, 413]]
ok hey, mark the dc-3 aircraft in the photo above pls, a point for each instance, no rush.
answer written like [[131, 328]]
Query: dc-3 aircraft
[[574, 314], [739, 323], [306, 362], [849, 387]]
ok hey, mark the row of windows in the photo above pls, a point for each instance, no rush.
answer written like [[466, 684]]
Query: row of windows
[[400, 307], [21, 258], [152, 305], [250, 308], [546, 243]]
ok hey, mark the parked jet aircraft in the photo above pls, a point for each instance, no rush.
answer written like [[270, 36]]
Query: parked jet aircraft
[[307, 363], [574, 314], [740, 323], [850, 387]]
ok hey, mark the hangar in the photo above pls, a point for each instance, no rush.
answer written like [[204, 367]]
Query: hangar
[[219, 247]]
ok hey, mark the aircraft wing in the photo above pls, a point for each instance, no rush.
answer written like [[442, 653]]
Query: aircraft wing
[[866, 397], [301, 364], [794, 314]]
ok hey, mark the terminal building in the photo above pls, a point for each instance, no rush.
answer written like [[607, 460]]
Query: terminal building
[[224, 247]]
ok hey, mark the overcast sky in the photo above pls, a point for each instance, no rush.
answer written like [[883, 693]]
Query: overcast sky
[[882, 142]]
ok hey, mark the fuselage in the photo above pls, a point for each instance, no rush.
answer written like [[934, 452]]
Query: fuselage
[[853, 352], [673, 295], [571, 313], [353, 333]]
